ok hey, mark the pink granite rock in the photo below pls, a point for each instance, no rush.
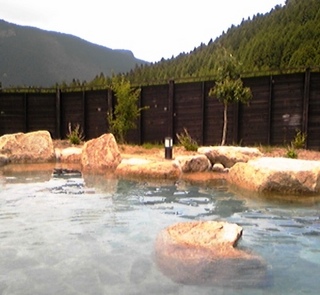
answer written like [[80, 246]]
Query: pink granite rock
[[203, 252], [100, 154], [32, 147]]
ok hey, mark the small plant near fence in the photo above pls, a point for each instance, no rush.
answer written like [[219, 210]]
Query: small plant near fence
[[299, 141], [187, 141], [291, 152], [75, 136]]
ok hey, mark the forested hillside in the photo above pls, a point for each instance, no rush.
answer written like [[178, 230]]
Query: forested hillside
[[287, 38], [34, 57]]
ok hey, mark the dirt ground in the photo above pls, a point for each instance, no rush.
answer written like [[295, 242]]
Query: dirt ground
[[158, 153], [134, 151]]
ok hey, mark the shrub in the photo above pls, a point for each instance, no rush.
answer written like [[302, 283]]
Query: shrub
[[291, 152], [75, 136], [126, 110], [299, 140], [187, 141]]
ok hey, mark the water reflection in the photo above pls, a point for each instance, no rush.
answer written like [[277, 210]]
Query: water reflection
[[84, 234]]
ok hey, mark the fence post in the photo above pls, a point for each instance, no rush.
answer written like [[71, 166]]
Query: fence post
[[140, 117], [236, 111], [84, 115], [306, 101], [26, 112], [271, 83], [58, 113], [109, 105], [203, 106], [171, 113]]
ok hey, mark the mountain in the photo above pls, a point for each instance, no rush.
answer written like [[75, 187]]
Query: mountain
[[35, 57], [285, 39]]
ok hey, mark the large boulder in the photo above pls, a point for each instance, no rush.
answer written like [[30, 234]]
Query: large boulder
[[100, 154], [32, 147], [229, 155], [277, 175], [204, 253], [195, 163], [151, 169]]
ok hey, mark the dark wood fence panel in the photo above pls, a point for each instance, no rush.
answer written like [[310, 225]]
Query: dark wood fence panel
[[254, 121], [313, 131], [281, 105], [41, 110], [287, 107], [96, 109], [213, 117], [188, 109], [13, 117], [155, 119], [72, 111]]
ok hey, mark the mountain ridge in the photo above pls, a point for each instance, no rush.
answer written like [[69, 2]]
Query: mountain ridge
[[283, 40], [31, 56]]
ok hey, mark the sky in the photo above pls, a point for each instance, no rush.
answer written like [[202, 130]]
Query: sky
[[151, 29]]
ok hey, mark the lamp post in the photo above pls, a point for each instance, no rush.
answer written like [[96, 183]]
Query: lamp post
[[168, 143]]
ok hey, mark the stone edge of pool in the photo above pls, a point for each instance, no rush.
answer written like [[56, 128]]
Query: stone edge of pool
[[243, 167]]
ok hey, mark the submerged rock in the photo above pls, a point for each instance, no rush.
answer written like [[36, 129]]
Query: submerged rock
[[204, 253], [66, 181]]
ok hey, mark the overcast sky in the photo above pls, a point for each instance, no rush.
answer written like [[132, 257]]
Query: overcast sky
[[151, 29]]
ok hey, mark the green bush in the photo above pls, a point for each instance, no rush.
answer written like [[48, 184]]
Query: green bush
[[126, 110], [299, 140], [187, 141], [291, 152], [75, 136]]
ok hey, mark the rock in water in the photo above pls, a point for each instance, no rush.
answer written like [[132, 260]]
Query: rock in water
[[278, 176], [142, 168], [32, 147], [100, 154], [204, 253]]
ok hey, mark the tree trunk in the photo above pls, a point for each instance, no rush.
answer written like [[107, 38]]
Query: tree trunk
[[225, 123]]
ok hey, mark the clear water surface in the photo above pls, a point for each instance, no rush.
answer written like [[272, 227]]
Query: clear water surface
[[72, 234]]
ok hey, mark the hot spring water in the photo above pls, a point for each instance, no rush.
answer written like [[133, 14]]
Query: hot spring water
[[61, 233]]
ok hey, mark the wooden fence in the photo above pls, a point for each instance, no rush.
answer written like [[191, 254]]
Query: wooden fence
[[281, 105]]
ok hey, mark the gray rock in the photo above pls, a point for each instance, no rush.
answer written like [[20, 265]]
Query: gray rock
[[219, 168], [229, 155], [3, 160], [195, 163]]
